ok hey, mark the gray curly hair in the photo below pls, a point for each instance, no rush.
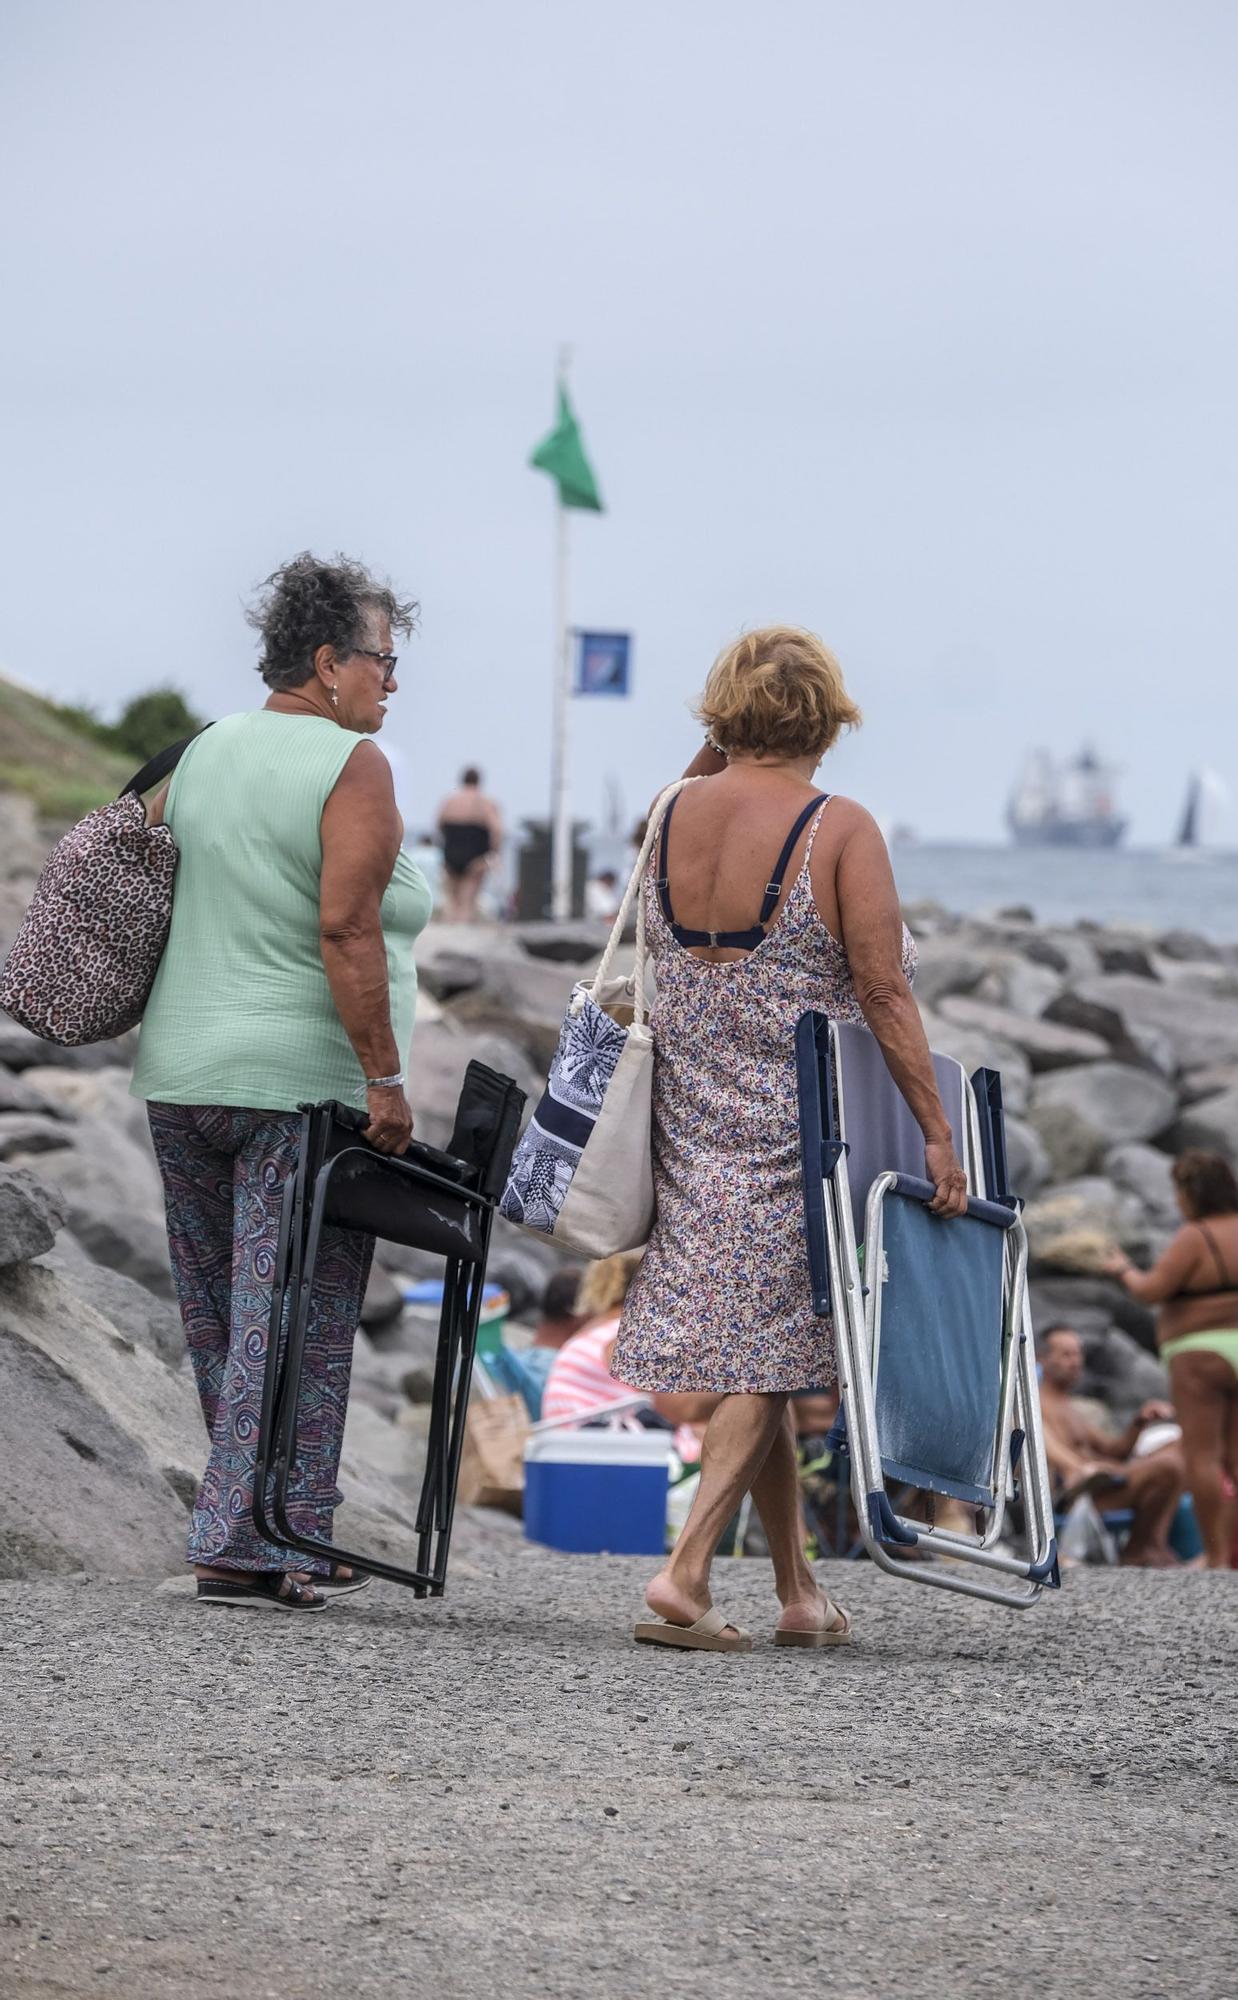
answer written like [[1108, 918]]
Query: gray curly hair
[[310, 603]]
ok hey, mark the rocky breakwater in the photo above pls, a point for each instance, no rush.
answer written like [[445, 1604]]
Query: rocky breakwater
[[1117, 1049]]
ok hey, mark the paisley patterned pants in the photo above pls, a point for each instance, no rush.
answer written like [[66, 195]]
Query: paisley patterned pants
[[223, 1174]]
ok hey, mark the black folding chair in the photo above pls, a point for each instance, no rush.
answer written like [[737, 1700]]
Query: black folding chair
[[437, 1201]]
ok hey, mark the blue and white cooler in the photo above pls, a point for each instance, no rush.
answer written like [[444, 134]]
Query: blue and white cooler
[[597, 1492]]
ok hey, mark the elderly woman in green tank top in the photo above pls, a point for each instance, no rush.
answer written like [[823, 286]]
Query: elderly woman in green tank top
[[288, 977]]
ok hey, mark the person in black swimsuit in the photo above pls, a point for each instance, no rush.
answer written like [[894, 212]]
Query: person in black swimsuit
[[470, 827]]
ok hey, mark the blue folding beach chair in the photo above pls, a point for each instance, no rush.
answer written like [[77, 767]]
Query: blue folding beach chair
[[932, 1325]]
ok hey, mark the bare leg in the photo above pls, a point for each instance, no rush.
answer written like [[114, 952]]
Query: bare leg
[[737, 1444], [776, 1496], [1153, 1487], [1202, 1386], [469, 889]]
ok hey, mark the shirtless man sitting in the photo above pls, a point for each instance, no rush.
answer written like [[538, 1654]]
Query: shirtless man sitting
[[1084, 1459]]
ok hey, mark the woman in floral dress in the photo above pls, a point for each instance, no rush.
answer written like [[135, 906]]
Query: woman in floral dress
[[743, 946]]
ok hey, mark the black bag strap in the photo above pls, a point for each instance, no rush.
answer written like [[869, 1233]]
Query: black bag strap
[[160, 765]]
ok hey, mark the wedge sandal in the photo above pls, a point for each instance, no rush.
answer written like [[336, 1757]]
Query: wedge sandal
[[712, 1633], [838, 1634]]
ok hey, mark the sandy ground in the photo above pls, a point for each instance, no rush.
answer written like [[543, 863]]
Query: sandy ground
[[497, 1794]]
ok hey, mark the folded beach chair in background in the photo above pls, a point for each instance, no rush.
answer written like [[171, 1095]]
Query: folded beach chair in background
[[931, 1319], [438, 1201]]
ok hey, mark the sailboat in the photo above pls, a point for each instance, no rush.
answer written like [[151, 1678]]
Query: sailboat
[[1203, 806], [1188, 825]]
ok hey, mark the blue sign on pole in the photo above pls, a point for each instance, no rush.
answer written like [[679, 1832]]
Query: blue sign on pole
[[603, 663]]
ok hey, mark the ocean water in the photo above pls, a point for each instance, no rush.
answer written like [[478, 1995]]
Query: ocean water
[[1156, 889]]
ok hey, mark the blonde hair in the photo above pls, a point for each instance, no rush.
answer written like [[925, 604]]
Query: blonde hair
[[605, 1284], [778, 692]]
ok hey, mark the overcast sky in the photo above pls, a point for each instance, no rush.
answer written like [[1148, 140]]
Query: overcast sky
[[913, 321]]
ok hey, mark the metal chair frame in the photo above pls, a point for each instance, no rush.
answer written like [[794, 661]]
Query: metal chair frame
[[459, 1213], [838, 1286]]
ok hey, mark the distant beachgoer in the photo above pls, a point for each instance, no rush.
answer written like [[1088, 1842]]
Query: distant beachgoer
[[580, 1380], [1195, 1284], [288, 978], [602, 897], [723, 1303], [1112, 1470], [523, 1371], [470, 827]]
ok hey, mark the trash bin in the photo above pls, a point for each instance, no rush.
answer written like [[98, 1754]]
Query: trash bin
[[533, 894], [597, 1492]]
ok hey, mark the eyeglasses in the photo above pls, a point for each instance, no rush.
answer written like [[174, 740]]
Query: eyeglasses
[[387, 661]]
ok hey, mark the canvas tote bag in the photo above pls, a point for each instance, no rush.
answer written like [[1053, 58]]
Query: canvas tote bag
[[583, 1174], [85, 957]]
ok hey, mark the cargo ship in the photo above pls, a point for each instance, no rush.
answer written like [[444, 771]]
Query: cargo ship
[[1068, 804]]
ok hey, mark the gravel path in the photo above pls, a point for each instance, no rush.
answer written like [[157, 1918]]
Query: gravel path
[[499, 1794]]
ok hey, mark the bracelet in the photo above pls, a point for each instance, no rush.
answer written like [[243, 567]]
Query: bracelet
[[384, 1082], [715, 747]]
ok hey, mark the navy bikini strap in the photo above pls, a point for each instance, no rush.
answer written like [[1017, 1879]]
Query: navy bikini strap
[[773, 888], [742, 940], [660, 881]]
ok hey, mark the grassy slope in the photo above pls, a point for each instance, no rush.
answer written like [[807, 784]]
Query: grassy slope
[[51, 761]]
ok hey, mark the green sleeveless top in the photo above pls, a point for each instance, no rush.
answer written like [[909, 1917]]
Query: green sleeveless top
[[241, 1012]]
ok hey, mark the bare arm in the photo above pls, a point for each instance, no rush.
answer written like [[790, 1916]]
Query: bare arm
[[872, 936], [1168, 1275], [361, 829], [706, 764]]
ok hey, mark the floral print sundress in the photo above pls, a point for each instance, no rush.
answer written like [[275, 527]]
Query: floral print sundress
[[722, 1302]]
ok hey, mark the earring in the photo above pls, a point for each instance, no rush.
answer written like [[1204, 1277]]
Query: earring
[[335, 696]]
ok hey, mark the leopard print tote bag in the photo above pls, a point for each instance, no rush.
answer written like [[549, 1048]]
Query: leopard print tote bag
[[85, 958]]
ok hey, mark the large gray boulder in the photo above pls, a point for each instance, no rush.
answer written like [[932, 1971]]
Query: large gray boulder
[[1016, 982], [977, 1049], [1113, 1101], [1188, 947], [1146, 1173], [20, 1050], [523, 999], [102, 1446], [153, 1322], [30, 1215], [1090, 1305], [1201, 1030], [100, 1443], [1211, 1081], [1071, 1145], [112, 1197], [1142, 1046], [27, 1132], [1064, 951], [1027, 1161], [442, 1051], [17, 1093], [1212, 1124], [947, 967], [1124, 1374], [1069, 1228], [1046, 1045]]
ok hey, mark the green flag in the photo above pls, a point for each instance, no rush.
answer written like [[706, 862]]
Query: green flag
[[562, 454]]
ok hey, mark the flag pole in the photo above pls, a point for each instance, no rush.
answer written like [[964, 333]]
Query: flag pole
[[560, 802]]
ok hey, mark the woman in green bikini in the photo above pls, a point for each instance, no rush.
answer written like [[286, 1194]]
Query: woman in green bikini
[[1195, 1284]]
